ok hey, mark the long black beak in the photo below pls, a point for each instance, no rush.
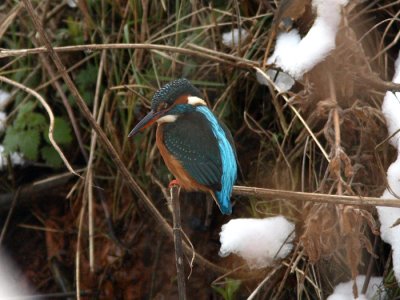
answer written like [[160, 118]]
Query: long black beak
[[147, 121]]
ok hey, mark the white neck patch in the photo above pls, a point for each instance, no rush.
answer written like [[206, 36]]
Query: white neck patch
[[193, 100], [167, 119]]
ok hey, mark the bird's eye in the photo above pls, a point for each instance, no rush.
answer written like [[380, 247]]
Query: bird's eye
[[162, 106]]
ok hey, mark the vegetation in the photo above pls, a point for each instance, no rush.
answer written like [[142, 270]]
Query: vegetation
[[96, 233]]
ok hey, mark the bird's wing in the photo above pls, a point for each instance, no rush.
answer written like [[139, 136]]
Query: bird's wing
[[191, 141], [229, 137]]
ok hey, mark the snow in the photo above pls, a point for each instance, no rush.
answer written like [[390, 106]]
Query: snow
[[344, 291], [283, 80], [258, 241], [72, 3], [4, 96], [231, 38], [297, 56], [3, 117], [389, 215], [16, 158], [11, 284], [391, 108]]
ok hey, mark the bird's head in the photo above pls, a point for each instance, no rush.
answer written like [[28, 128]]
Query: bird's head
[[173, 99]]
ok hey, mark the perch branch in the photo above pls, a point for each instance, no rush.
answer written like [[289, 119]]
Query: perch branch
[[314, 197], [176, 216]]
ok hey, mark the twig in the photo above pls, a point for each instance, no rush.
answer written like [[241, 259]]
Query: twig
[[262, 73], [268, 277], [98, 47], [51, 117], [368, 274], [78, 243], [133, 185], [10, 212], [68, 108], [90, 175], [28, 192], [176, 216], [60, 276], [238, 59], [314, 197]]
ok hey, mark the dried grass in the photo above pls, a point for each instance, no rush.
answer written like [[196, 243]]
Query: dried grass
[[339, 102]]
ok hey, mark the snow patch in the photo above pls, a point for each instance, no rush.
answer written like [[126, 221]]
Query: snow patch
[[297, 56], [3, 118], [11, 284], [15, 157], [231, 38], [344, 290], [258, 241], [4, 97], [72, 3], [389, 215]]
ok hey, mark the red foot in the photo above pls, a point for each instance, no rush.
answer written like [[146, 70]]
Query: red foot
[[174, 182]]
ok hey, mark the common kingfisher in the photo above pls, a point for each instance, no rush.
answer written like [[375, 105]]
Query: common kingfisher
[[197, 148]]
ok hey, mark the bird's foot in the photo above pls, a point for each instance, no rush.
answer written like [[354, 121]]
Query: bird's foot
[[173, 183]]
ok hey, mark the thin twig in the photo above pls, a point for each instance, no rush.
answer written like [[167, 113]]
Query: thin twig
[[314, 197], [51, 117], [90, 164], [268, 277], [10, 212], [98, 47], [176, 216], [262, 73]]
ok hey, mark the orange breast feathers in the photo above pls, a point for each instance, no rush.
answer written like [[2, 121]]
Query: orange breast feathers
[[176, 168]]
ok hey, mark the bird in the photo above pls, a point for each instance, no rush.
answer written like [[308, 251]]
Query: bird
[[195, 145]]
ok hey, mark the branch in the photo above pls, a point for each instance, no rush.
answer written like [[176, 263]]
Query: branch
[[314, 197], [176, 215], [98, 47]]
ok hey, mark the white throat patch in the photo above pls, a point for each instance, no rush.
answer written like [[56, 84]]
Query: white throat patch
[[167, 119], [193, 100]]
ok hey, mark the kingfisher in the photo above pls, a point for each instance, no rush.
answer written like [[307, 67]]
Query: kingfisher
[[197, 148]]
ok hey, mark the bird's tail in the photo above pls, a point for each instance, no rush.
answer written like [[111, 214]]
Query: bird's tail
[[223, 201]]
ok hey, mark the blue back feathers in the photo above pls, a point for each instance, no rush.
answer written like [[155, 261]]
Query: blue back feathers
[[228, 158]]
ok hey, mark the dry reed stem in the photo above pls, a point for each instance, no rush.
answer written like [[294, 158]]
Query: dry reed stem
[[9, 19], [98, 115], [295, 111], [97, 47], [264, 281], [313, 197]]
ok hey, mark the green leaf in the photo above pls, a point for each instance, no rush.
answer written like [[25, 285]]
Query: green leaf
[[51, 157], [62, 132], [11, 139], [25, 109], [28, 142], [86, 81], [229, 289], [35, 120]]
